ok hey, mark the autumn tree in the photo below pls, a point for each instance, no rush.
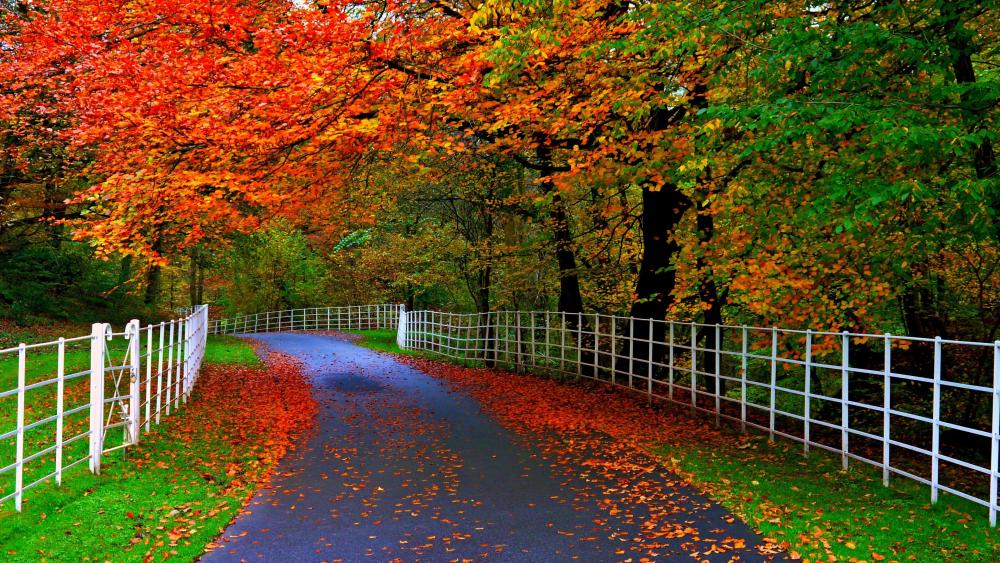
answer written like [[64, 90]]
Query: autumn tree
[[826, 165]]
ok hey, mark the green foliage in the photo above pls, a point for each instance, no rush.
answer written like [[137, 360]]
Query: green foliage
[[273, 270], [46, 280], [870, 109], [353, 239]]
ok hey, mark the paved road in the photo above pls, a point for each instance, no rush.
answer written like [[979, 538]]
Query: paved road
[[400, 467]]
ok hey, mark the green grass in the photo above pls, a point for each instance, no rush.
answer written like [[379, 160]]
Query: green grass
[[809, 501], [109, 517], [223, 349], [173, 482], [40, 403], [384, 340]]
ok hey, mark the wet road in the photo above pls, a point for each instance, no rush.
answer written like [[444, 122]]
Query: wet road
[[401, 467]]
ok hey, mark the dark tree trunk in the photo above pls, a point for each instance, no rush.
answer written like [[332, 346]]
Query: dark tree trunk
[[570, 298], [711, 301], [154, 278], [481, 295], [920, 314], [201, 285], [663, 207], [409, 297], [962, 47], [662, 210], [195, 278]]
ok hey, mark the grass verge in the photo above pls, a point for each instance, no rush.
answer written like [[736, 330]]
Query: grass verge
[[223, 349], [820, 512], [171, 495], [384, 340], [817, 511]]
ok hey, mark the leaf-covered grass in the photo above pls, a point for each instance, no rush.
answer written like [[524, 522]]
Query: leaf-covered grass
[[41, 364], [809, 505], [823, 511], [12, 334], [172, 494]]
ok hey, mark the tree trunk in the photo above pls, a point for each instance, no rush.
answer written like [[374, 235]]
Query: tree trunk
[[201, 285], [711, 302], [663, 207], [962, 47], [194, 290], [482, 298], [570, 298], [409, 297], [662, 210], [154, 278]]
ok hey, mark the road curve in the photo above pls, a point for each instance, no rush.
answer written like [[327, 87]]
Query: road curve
[[400, 467]]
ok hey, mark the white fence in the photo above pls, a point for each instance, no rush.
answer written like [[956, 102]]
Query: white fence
[[353, 317], [813, 387], [72, 400]]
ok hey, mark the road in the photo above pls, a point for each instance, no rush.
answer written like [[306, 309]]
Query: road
[[402, 467]]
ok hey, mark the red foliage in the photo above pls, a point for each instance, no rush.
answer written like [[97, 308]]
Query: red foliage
[[263, 409], [528, 403]]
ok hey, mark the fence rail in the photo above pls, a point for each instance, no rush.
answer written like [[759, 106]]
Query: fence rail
[[72, 400], [813, 387], [352, 317]]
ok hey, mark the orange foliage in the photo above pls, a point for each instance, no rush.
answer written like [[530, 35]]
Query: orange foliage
[[240, 421]]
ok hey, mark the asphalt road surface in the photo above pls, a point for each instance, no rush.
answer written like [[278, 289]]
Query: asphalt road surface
[[400, 467]]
